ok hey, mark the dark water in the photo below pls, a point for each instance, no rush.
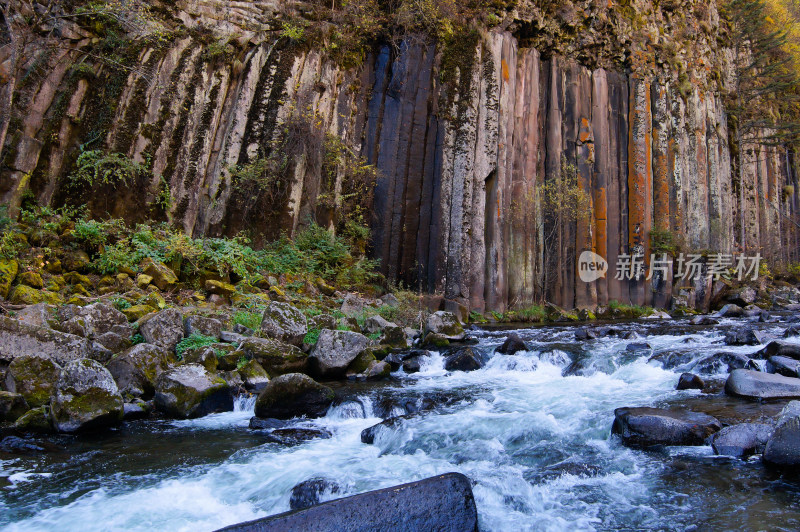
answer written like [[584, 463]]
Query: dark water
[[536, 444]]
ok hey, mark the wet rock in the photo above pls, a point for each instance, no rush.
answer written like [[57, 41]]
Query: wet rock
[[163, 277], [464, 359], [719, 362], [788, 367], [17, 445], [257, 423], [704, 320], [584, 333], [757, 385], [745, 336], [442, 503], [137, 369], [136, 410], [285, 323], [638, 347], [189, 391], [36, 420], [277, 358], [781, 348], [334, 351], [689, 381], [369, 434], [293, 395], [34, 378], [312, 491], [17, 339], [445, 324], [412, 365], [377, 370], [435, 341], [559, 470], [742, 440], [644, 427], [202, 325], [295, 435], [254, 377], [12, 406], [163, 328], [512, 345], [794, 330], [783, 447], [673, 359], [730, 311], [85, 397]]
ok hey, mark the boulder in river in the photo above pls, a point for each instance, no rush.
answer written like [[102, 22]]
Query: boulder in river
[[788, 367], [512, 345], [742, 440], [783, 447], [745, 336], [163, 328], [704, 320], [293, 395], [12, 406], [285, 323], [719, 362], [756, 385], [645, 427], [464, 359], [334, 352], [276, 357], [445, 324], [369, 434], [690, 381], [781, 348], [189, 391], [137, 369], [255, 378], [730, 311], [85, 397], [312, 491], [444, 503]]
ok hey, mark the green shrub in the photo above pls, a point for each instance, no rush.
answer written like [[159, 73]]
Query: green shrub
[[251, 320], [311, 337], [192, 342], [95, 168]]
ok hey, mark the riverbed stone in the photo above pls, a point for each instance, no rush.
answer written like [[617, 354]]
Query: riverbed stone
[[513, 344], [781, 348], [757, 385], [284, 323], [276, 357], [35, 420], [334, 351], [137, 369], [645, 427], [254, 377], [33, 377], [163, 328], [464, 359], [85, 397], [445, 324], [742, 440], [745, 336], [788, 367], [690, 381], [293, 395], [783, 447], [12, 406], [719, 362], [312, 491], [189, 391], [730, 311]]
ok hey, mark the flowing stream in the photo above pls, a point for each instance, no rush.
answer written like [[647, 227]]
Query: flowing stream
[[536, 444]]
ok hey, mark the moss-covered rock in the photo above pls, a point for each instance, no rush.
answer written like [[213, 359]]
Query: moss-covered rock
[[12, 406], [219, 287], [136, 312], [8, 273], [85, 397], [164, 328], [334, 351], [143, 280], [137, 369], [32, 279], [277, 358], [189, 391], [35, 420], [26, 295], [445, 324], [77, 260], [435, 341], [361, 363], [55, 283], [18, 339], [95, 319], [33, 377], [293, 395], [254, 376], [284, 322], [206, 356], [73, 278], [377, 370], [163, 277]]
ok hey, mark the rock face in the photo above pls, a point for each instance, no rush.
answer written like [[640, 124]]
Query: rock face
[[757, 385], [33, 377], [293, 395], [284, 322], [18, 338], [742, 440], [442, 503], [164, 329], [644, 427], [189, 391], [335, 350], [85, 397], [783, 447]]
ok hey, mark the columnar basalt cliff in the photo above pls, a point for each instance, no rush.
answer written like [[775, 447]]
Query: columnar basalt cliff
[[463, 137]]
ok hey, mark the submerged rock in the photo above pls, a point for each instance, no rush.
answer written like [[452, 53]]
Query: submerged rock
[[285, 323], [189, 391], [644, 427], [512, 345], [293, 395], [721, 362], [295, 435], [311, 492], [85, 397], [689, 381], [742, 440], [756, 385]]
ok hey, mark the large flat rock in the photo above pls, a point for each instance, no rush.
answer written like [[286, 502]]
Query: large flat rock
[[18, 338], [444, 503], [645, 427], [756, 385]]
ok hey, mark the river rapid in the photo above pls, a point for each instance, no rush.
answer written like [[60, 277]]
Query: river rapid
[[535, 443]]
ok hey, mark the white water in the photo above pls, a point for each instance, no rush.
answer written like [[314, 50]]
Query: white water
[[505, 424]]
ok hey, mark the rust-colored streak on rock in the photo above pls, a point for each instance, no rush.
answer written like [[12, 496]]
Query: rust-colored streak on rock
[[640, 178]]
